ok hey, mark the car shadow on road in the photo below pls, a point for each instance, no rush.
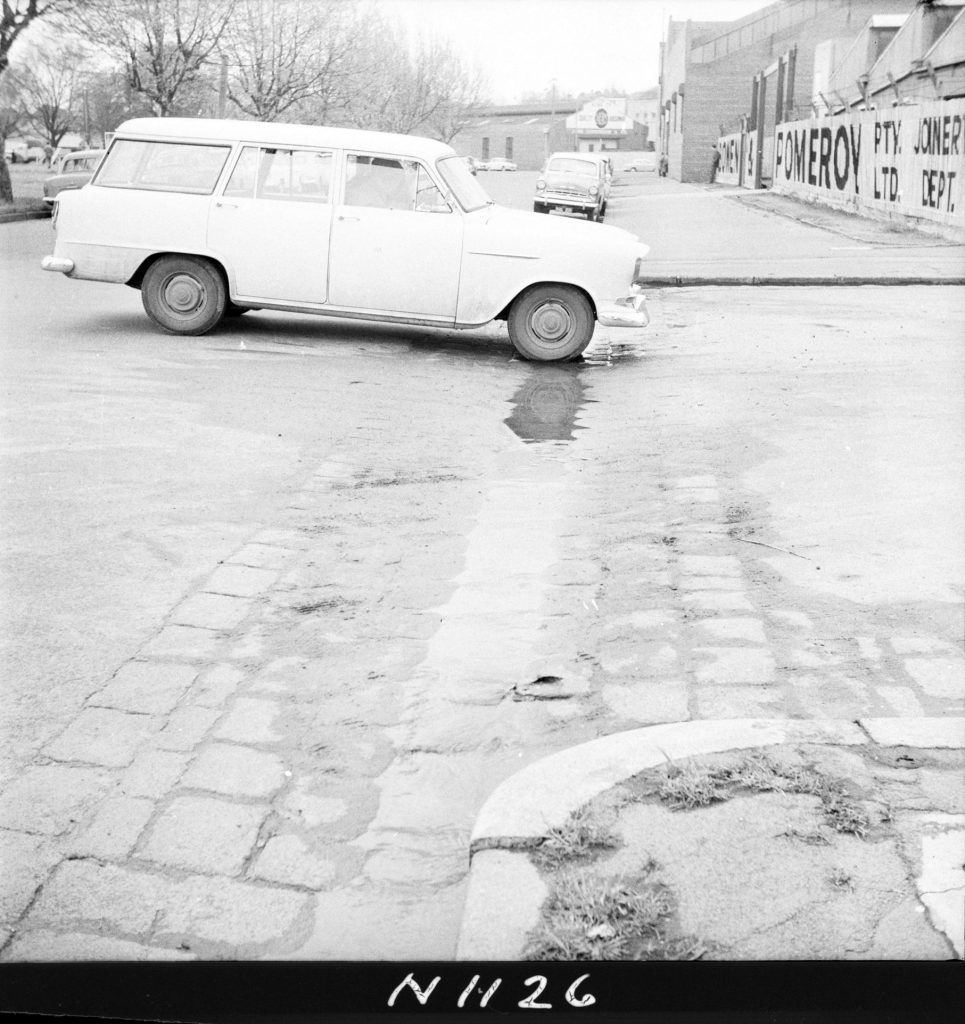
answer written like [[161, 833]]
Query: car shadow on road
[[307, 331]]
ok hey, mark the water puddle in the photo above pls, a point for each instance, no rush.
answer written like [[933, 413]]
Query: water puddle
[[546, 405]]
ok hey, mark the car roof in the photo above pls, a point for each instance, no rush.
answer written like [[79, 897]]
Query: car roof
[[197, 129], [82, 154], [571, 153]]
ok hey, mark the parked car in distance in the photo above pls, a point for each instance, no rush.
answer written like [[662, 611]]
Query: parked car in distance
[[647, 162], [574, 183], [24, 151], [74, 171], [497, 163], [211, 219]]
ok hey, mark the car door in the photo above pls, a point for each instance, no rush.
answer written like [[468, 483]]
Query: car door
[[271, 225], [396, 241]]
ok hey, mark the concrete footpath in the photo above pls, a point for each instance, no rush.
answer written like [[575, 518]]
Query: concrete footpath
[[723, 235], [816, 839]]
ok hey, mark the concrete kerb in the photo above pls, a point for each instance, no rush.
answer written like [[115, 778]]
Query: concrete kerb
[[795, 281], [505, 892]]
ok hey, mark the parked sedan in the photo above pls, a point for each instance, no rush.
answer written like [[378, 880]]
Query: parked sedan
[[75, 170], [642, 163], [496, 164], [573, 183]]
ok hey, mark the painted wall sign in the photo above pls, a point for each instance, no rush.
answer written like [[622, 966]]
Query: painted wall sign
[[905, 161], [729, 169], [603, 116]]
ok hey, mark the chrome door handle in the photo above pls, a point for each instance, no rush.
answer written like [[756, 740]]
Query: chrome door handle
[[230, 206], [342, 216]]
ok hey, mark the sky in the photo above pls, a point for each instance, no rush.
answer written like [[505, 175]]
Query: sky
[[523, 45]]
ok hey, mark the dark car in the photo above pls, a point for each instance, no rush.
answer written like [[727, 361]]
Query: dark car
[[75, 170]]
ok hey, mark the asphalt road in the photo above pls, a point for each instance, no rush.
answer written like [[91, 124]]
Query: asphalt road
[[472, 529]]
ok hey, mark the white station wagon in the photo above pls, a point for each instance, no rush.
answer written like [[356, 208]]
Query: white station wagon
[[214, 218]]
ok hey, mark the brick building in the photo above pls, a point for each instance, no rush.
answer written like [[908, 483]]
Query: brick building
[[524, 134], [528, 134], [707, 70]]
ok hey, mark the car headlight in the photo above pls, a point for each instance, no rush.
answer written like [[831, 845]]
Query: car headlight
[[594, 190], [540, 185]]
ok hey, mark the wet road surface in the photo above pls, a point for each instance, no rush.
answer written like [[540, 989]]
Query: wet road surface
[[381, 570]]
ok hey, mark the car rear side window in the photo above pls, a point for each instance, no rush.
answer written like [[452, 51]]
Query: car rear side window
[[163, 166], [300, 175]]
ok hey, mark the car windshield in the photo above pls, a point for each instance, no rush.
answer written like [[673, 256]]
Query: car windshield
[[572, 165], [465, 187]]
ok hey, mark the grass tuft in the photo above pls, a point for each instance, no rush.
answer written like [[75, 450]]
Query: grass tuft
[[690, 786], [696, 785], [582, 836], [588, 918]]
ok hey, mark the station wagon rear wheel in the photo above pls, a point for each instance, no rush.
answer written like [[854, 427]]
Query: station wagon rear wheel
[[551, 323], [184, 294]]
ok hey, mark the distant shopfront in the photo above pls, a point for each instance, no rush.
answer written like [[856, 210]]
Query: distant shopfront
[[605, 125]]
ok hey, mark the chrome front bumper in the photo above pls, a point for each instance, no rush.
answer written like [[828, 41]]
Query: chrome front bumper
[[561, 199], [630, 311], [59, 264]]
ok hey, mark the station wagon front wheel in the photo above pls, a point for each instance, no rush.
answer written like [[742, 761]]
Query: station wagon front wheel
[[184, 294], [551, 323]]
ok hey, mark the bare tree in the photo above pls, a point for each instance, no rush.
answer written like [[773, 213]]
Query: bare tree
[[163, 45], [106, 99], [458, 87], [427, 88], [286, 56], [15, 17], [49, 90]]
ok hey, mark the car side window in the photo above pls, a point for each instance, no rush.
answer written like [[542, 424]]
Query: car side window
[[388, 183], [294, 175], [428, 198], [381, 182], [163, 166]]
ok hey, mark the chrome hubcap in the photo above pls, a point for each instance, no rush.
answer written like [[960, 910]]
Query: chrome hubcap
[[183, 294], [551, 321]]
